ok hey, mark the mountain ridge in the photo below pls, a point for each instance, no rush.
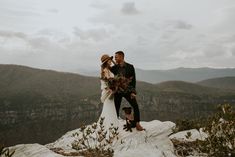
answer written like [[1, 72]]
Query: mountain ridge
[[182, 74], [30, 96], [221, 82]]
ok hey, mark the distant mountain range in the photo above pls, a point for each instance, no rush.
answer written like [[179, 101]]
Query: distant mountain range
[[41, 105], [180, 74], [183, 74], [223, 83], [19, 79]]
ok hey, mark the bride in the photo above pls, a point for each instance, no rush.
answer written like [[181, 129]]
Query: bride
[[109, 111]]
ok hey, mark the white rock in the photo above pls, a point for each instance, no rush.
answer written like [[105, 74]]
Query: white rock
[[154, 142], [195, 134], [64, 142], [32, 150]]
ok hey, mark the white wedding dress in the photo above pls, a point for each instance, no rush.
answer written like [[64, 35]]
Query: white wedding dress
[[109, 110]]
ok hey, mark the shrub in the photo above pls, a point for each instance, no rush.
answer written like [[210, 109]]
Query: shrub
[[95, 141], [221, 133], [220, 128], [186, 124]]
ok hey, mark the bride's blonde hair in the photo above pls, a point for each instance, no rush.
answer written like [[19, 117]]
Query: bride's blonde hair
[[103, 66]]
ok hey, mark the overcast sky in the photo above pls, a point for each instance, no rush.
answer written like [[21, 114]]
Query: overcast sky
[[154, 34]]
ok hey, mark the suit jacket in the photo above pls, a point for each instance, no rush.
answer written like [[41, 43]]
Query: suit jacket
[[129, 72]]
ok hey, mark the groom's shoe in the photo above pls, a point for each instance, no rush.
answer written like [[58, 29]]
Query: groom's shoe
[[139, 127]]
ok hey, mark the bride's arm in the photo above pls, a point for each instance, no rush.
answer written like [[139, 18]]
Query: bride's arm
[[106, 75], [104, 87]]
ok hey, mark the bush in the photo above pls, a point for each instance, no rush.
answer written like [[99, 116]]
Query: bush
[[95, 141], [186, 148], [186, 124], [220, 129], [221, 133]]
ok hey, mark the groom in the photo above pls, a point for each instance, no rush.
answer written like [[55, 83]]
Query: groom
[[122, 68]]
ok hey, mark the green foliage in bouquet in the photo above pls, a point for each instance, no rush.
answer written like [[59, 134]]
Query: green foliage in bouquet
[[95, 141], [5, 152]]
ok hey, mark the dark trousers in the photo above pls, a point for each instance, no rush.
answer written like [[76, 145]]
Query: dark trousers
[[118, 99]]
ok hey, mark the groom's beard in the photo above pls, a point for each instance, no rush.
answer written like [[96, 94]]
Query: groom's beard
[[120, 62]]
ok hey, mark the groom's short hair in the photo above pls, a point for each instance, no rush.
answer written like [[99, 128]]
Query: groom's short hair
[[120, 53]]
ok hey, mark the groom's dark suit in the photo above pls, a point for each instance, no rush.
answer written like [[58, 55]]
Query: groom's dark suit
[[128, 71]]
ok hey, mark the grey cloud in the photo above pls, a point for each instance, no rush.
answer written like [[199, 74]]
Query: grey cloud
[[214, 50], [178, 24], [47, 32], [11, 34], [153, 25], [19, 12], [227, 39], [142, 41], [167, 35], [94, 34], [33, 41], [220, 45], [226, 19], [39, 42], [233, 50], [53, 10], [54, 35], [98, 5], [159, 37], [129, 8], [182, 25]]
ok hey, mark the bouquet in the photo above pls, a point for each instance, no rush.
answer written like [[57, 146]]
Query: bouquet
[[118, 84]]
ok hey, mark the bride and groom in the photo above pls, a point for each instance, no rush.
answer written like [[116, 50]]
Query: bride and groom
[[112, 100]]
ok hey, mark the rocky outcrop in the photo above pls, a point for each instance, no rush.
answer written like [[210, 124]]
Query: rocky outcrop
[[154, 142]]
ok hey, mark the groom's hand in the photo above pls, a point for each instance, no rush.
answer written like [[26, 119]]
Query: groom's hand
[[133, 95], [111, 91]]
